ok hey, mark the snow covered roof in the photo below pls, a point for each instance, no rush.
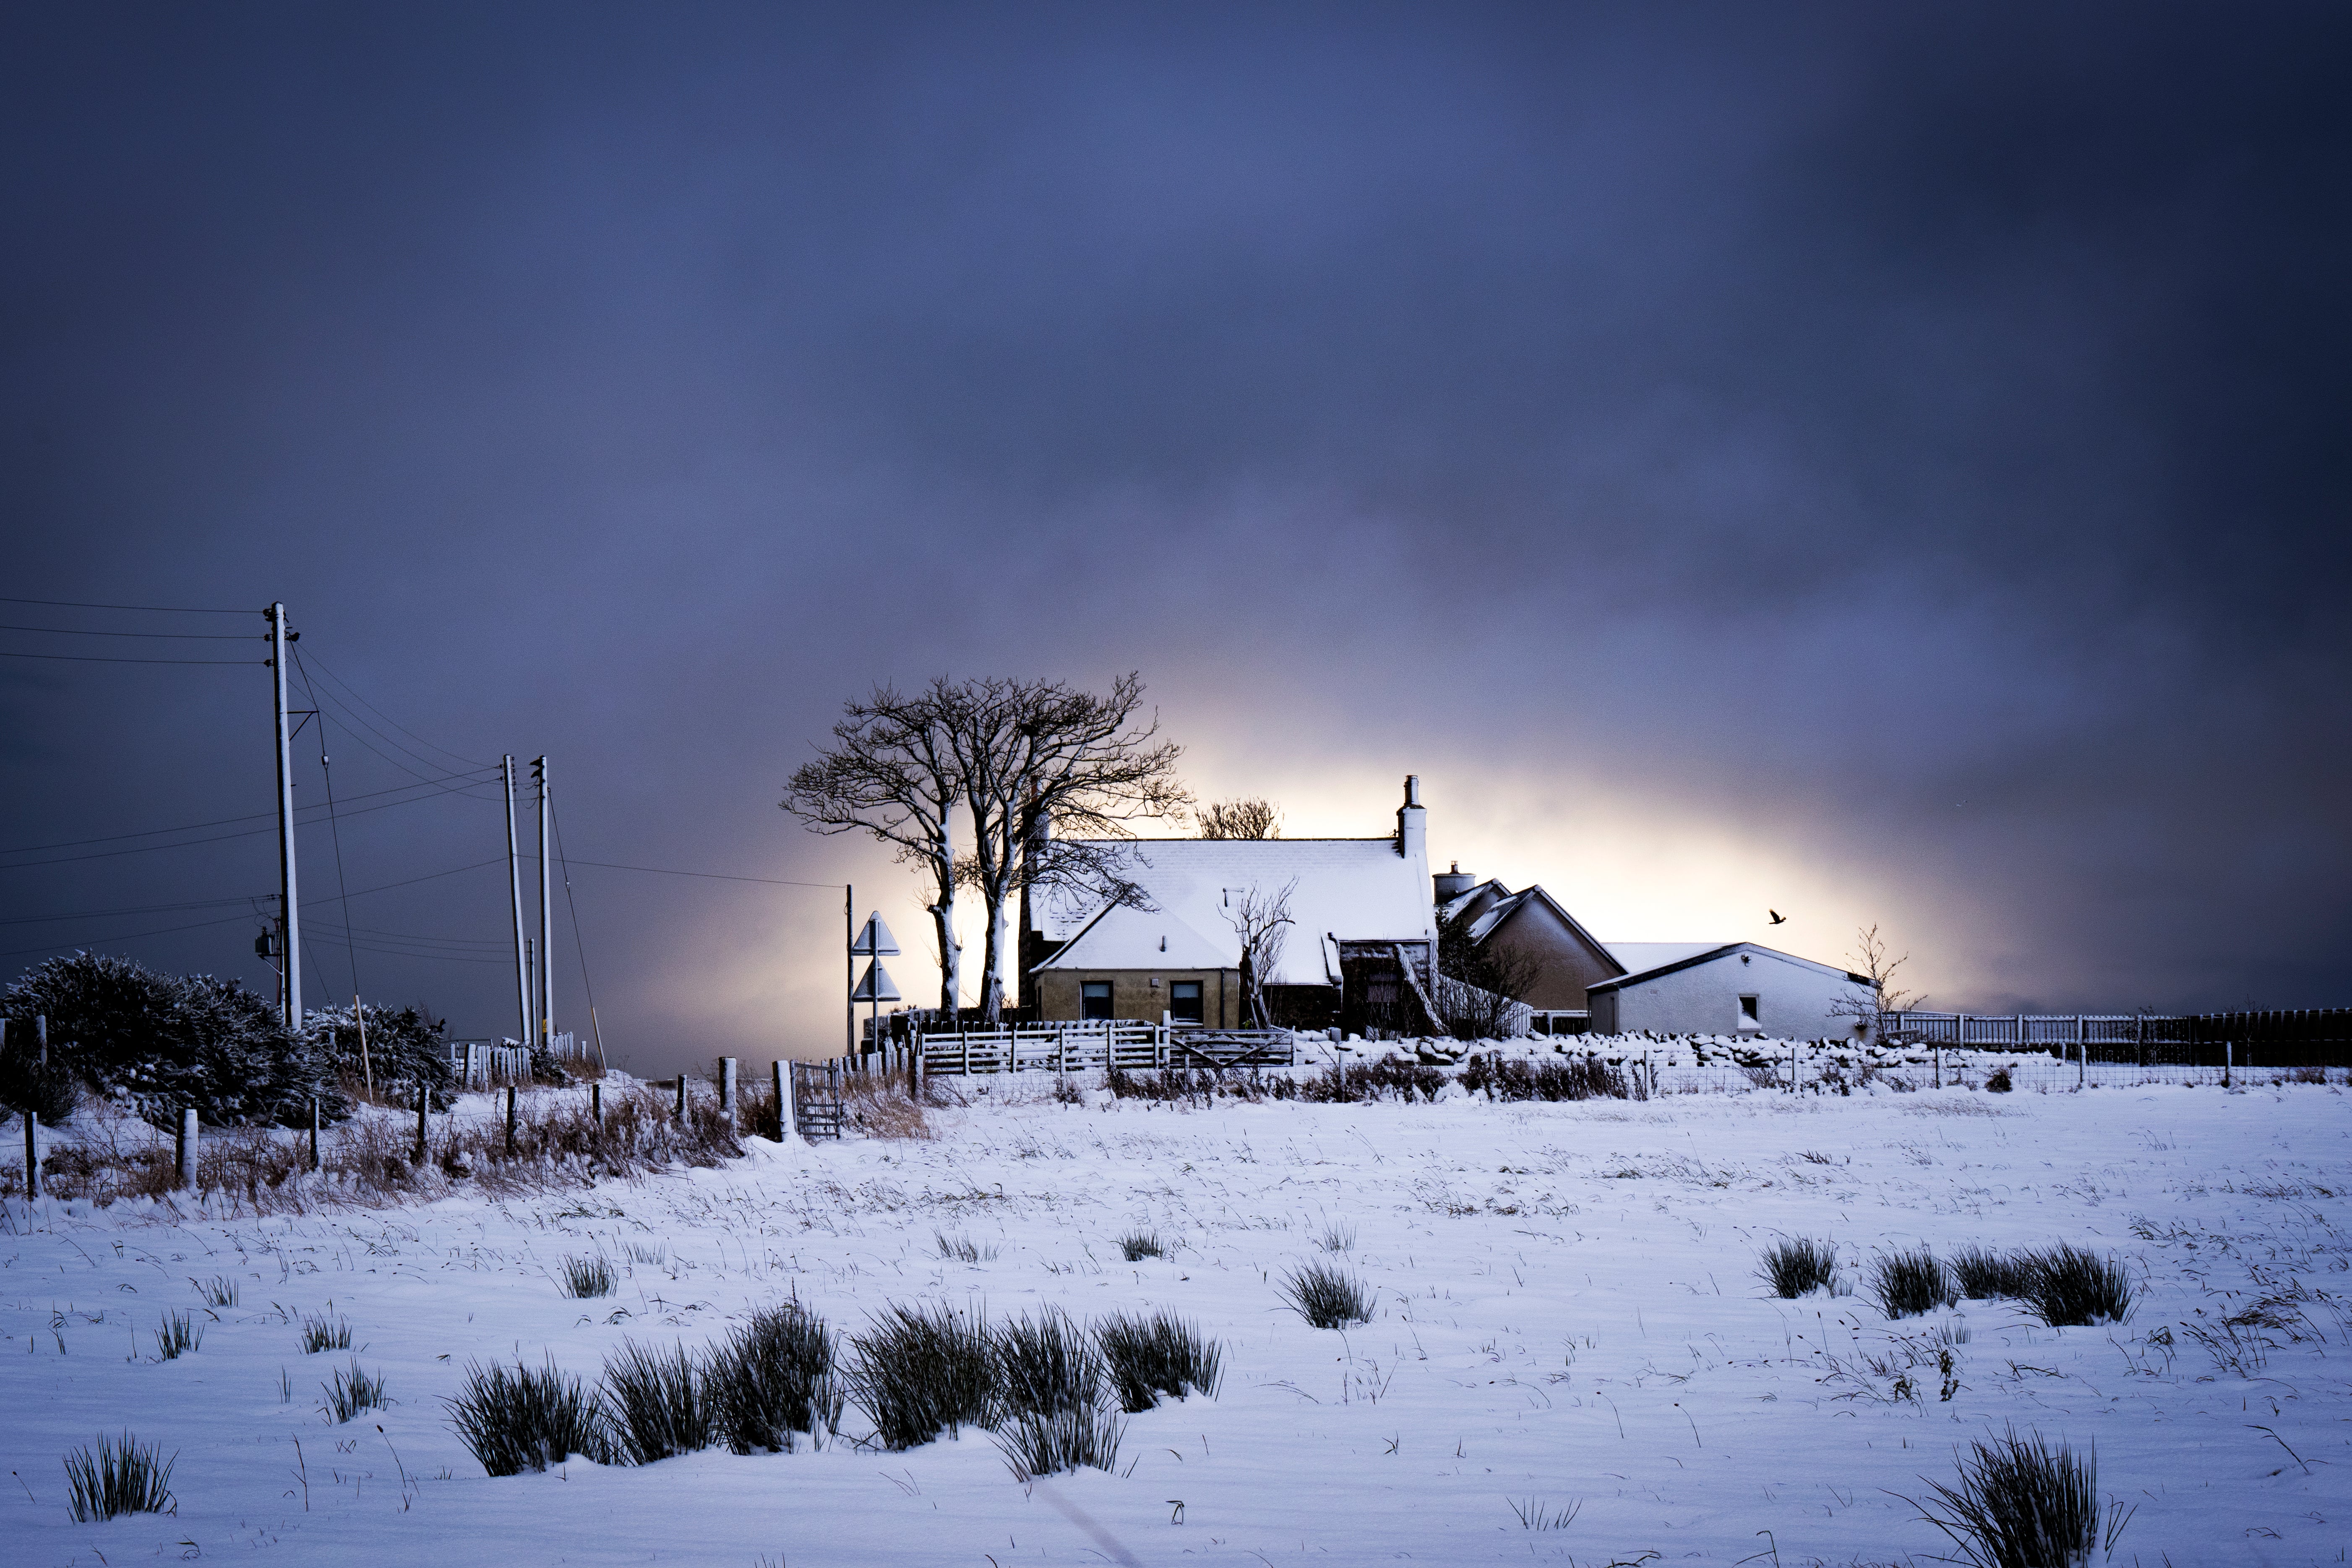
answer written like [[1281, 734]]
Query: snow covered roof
[[1641, 957], [1356, 889], [1668, 957]]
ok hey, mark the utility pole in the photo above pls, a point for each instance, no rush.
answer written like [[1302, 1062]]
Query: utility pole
[[849, 964], [546, 920], [514, 885], [290, 992]]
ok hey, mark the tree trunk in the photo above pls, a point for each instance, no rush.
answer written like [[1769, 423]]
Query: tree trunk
[[950, 950], [992, 986]]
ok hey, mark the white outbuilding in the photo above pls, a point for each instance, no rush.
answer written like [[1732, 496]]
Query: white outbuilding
[[1728, 988]]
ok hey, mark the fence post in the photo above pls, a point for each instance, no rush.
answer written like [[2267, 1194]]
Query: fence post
[[784, 1129], [32, 1154], [2229, 1058], [423, 1105], [680, 1112], [596, 1107], [314, 1132], [511, 1121], [1937, 1052], [727, 1085], [184, 1165]]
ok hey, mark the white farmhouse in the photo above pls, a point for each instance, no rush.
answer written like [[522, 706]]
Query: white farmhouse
[[1724, 988]]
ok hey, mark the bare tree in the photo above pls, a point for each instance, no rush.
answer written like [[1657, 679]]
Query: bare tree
[[1480, 983], [1262, 921], [1040, 759], [1247, 818], [892, 772], [1872, 958]]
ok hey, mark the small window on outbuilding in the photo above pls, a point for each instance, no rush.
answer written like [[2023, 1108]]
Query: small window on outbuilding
[[1747, 1014], [1184, 1001], [1094, 999]]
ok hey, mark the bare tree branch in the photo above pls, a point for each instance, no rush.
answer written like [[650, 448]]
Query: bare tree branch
[[1262, 921], [1247, 818]]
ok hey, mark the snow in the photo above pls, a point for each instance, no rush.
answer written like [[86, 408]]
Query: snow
[[1568, 1320]]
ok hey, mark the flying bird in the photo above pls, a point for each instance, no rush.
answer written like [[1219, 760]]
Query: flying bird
[[1778, 918]]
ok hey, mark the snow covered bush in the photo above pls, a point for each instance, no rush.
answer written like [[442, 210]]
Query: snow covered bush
[[923, 1371], [772, 1378], [1575, 1078], [405, 1047], [163, 1042]]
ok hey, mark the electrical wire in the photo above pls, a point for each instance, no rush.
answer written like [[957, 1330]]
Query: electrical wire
[[334, 826], [109, 914], [354, 693], [714, 875], [178, 636], [159, 609], [578, 944], [192, 827], [102, 659], [126, 936], [191, 842]]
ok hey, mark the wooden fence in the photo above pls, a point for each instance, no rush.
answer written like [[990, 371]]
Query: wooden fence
[[1097, 1047], [2310, 1038]]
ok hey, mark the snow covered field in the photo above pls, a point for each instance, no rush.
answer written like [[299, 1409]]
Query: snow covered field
[[1569, 1328]]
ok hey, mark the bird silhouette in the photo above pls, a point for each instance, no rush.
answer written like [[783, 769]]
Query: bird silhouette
[[1778, 918]]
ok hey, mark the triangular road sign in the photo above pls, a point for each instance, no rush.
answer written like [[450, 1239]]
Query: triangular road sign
[[874, 940], [874, 985]]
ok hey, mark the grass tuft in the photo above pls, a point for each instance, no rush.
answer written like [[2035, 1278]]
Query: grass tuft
[[1148, 1355], [586, 1277], [1138, 1245], [1328, 1296], [349, 1392], [964, 1249], [639, 1252], [1336, 1237], [1796, 1264], [655, 1404], [2066, 1286], [2021, 1502], [1536, 1514], [1909, 1283], [220, 1291], [119, 1478], [1983, 1273], [1047, 1444], [923, 1371], [325, 1333], [1047, 1366], [772, 1378], [179, 1335], [524, 1418]]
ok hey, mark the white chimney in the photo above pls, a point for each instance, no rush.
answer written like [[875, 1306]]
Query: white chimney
[[1412, 827]]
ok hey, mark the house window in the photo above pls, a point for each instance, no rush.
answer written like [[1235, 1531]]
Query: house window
[[1748, 1018], [1184, 1001], [1094, 999]]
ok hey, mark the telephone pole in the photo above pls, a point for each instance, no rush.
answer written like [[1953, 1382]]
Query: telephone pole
[[514, 885], [289, 997], [546, 920]]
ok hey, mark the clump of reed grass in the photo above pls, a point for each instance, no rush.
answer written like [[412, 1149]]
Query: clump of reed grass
[[118, 1478], [2065, 1286], [1046, 1364], [773, 1377], [351, 1392], [639, 1252], [1146, 1356], [1910, 1283], [1983, 1273], [655, 1404], [923, 1371], [1138, 1245], [1336, 1237], [220, 1291], [1046, 1443], [585, 1276], [1328, 1296], [179, 1335], [964, 1249], [325, 1331], [1796, 1264], [2023, 1502], [527, 1419]]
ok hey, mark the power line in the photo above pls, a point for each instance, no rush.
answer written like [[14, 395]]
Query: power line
[[216, 822], [179, 637], [354, 692], [126, 936], [159, 609], [109, 914], [334, 825], [216, 838], [578, 944], [714, 875], [102, 659]]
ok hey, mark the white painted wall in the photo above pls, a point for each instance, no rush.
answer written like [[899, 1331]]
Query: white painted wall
[[1793, 1000]]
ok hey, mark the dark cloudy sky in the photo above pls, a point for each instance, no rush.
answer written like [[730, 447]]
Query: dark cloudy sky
[[1882, 465]]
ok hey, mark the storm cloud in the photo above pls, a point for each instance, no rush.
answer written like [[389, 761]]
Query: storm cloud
[[1882, 465]]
